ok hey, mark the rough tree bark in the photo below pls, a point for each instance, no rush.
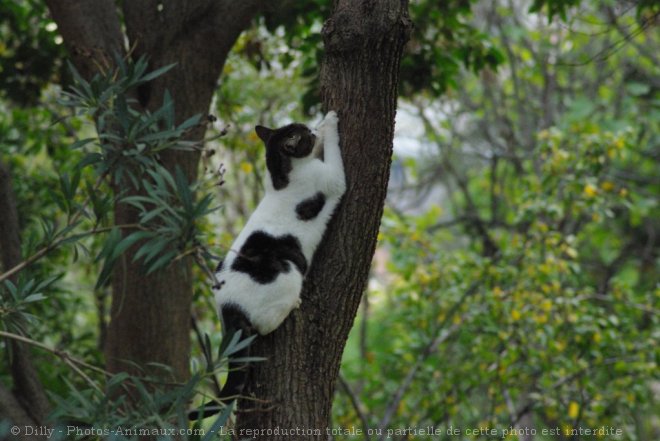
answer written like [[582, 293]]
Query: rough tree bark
[[364, 41], [26, 403], [150, 315]]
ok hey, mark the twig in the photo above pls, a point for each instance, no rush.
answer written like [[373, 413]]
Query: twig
[[71, 361], [48, 248], [357, 405], [42, 252], [442, 334], [616, 46], [490, 247]]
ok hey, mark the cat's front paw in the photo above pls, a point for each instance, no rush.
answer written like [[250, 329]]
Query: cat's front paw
[[330, 118], [330, 125], [298, 303]]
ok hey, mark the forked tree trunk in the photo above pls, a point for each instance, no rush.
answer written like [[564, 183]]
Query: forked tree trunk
[[364, 42], [150, 315]]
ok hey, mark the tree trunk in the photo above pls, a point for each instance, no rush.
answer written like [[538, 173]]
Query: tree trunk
[[26, 404], [150, 315], [364, 42]]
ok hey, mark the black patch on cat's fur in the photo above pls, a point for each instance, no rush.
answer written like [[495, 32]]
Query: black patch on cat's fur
[[233, 321], [310, 207], [279, 167], [263, 257], [280, 149]]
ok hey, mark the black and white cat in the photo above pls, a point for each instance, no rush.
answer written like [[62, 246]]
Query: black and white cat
[[261, 277]]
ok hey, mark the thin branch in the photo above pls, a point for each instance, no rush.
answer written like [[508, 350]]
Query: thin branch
[[489, 245], [65, 356], [442, 334], [643, 50], [357, 405], [42, 252], [48, 248], [616, 46]]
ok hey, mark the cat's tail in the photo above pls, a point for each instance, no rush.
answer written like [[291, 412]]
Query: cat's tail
[[234, 320]]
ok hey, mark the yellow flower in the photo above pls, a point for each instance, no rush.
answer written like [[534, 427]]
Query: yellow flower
[[590, 191], [424, 277], [515, 315], [246, 167], [607, 186], [540, 318], [573, 409], [597, 337], [546, 305], [571, 252], [543, 134]]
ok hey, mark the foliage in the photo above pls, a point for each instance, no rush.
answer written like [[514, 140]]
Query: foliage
[[522, 293], [562, 8], [528, 298], [30, 53], [129, 139], [125, 150], [443, 41], [16, 299]]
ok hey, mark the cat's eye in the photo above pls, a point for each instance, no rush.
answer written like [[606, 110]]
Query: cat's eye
[[292, 140]]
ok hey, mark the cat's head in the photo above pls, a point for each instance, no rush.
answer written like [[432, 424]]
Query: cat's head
[[293, 140], [284, 147]]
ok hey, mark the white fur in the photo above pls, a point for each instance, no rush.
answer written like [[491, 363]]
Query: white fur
[[267, 305]]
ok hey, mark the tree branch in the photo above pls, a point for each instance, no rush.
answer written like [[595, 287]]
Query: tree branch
[[10, 242], [91, 32], [441, 335], [357, 405], [12, 410], [490, 248]]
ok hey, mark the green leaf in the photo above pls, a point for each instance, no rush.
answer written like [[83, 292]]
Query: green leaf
[[81, 143], [638, 89], [163, 261], [213, 431], [129, 240], [158, 72], [151, 248]]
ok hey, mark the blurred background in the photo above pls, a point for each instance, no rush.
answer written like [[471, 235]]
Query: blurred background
[[516, 282]]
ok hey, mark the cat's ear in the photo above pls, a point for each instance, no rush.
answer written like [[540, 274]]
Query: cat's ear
[[263, 133]]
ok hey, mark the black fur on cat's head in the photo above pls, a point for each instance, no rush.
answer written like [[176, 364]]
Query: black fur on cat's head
[[291, 141]]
